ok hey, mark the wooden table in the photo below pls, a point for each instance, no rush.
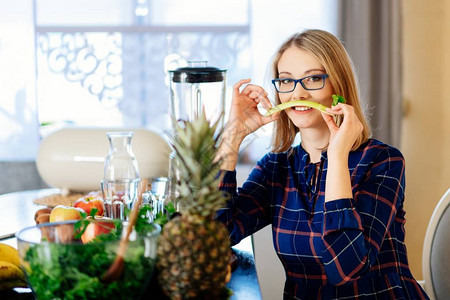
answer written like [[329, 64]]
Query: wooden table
[[17, 211]]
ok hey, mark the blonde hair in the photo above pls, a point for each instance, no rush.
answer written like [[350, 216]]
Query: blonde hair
[[330, 52]]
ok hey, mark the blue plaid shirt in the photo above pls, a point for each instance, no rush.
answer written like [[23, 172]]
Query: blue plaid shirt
[[342, 249]]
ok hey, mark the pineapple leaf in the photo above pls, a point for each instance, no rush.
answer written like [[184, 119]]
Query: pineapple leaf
[[196, 143]]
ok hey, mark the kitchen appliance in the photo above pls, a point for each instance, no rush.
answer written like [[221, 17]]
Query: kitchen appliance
[[73, 159], [195, 87]]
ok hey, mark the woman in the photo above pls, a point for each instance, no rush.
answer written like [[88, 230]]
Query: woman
[[335, 202]]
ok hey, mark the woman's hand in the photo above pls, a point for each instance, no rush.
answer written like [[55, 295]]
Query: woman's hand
[[338, 183], [244, 115], [342, 138], [244, 119]]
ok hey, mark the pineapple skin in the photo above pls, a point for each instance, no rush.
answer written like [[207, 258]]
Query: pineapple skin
[[193, 258]]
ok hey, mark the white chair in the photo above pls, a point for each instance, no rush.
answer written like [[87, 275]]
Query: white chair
[[436, 251]]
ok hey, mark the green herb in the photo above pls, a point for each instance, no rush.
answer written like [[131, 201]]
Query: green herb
[[143, 223], [81, 225], [161, 217], [337, 99]]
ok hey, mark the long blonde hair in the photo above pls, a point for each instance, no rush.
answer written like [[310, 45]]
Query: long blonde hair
[[330, 52]]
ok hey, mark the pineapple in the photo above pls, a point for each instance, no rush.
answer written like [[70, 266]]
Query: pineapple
[[194, 249]]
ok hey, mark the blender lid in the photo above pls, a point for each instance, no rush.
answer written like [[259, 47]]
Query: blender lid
[[197, 74]]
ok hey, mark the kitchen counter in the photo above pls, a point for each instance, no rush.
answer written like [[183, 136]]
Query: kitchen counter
[[243, 283], [17, 211]]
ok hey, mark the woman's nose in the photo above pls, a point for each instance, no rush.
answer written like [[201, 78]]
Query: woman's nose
[[299, 92]]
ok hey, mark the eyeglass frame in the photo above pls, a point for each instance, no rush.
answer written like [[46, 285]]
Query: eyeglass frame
[[324, 76]]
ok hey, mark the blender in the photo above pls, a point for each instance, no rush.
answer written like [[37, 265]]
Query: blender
[[194, 89], [197, 87]]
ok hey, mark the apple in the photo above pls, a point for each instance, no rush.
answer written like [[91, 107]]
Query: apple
[[90, 201], [65, 213], [97, 227]]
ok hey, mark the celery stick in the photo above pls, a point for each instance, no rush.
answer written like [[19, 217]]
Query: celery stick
[[285, 105], [336, 99]]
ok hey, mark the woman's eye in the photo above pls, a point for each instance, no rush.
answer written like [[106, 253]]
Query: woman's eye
[[314, 78], [285, 81]]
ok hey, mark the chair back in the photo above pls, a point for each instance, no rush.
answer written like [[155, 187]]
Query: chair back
[[436, 251], [19, 176]]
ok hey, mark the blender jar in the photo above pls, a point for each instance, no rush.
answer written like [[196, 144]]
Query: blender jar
[[197, 87]]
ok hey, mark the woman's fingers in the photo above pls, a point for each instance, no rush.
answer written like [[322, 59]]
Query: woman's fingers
[[260, 98], [271, 118], [335, 109], [245, 102], [330, 122], [350, 117], [237, 86], [255, 95], [250, 88], [345, 108], [266, 102]]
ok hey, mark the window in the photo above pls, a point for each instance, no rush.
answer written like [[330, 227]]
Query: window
[[114, 72], [105, 62]]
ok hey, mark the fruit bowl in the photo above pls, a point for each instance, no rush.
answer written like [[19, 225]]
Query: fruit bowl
[[59, 265]]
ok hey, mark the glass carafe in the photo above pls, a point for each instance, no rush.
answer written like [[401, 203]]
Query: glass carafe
[[120, 184], [120, 164]]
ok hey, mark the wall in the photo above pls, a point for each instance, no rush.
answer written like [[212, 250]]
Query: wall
[[445, 181], [426, 126]]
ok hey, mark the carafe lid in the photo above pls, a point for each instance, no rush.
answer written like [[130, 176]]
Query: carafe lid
[[197, 72]]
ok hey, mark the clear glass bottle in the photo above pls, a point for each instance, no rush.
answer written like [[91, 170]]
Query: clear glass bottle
[[120, 164], [120, 184]]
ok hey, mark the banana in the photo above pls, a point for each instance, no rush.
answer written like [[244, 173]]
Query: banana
[[9, 254], [10, 284], [9, 272]]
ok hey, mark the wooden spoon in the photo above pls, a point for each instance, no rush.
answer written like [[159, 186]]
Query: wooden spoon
[[116, 268]]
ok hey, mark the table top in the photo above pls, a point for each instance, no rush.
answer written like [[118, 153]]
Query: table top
[[17, 211]]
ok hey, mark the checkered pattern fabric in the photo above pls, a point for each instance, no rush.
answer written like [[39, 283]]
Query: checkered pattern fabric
[[342, 249]]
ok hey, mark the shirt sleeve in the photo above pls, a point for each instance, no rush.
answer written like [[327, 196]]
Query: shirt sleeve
[[354, 229], [247, 208]]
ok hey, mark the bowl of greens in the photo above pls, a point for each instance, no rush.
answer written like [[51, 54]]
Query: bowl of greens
[[68, 260]]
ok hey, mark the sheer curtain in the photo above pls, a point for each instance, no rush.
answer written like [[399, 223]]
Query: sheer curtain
[[19, 137], [370, 30]]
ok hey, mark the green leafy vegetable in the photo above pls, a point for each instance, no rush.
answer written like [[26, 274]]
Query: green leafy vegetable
[[73, 271], [161, 218], [81, 225], [337, 99]]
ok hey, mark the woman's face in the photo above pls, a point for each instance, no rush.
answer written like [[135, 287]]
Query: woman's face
[[296, 63]]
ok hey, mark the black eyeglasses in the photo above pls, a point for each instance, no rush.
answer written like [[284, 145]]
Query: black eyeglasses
[[310, 83]]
